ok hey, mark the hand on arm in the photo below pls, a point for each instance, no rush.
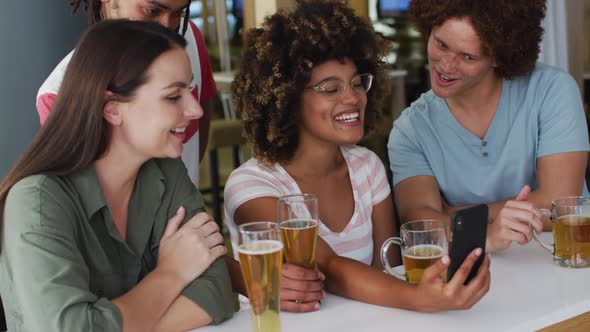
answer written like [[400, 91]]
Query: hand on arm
[[155, 299], [301, 289]]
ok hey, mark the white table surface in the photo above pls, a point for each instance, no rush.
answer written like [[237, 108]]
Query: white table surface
[[527, 292]]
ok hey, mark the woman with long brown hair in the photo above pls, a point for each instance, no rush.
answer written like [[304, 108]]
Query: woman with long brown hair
[[102, 227]]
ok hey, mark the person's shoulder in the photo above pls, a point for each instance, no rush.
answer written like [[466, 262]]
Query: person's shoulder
[[420, 108], [359, 156], [36, 184], [546, 75], [255, 167]]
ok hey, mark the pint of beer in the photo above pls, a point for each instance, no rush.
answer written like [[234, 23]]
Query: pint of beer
[[299, 238], [298, 217], [261, 256]]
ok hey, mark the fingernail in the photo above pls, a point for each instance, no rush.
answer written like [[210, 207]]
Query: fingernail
[[179, 209], [478, 252], [446, 259], [322, 276], [323, 294], [316, 306]]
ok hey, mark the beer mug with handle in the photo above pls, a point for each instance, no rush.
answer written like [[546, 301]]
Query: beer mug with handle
[[261, 258], [422, 243], [571, 231]]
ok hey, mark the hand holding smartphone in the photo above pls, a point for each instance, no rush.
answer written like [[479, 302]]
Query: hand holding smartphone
[[468, 231]]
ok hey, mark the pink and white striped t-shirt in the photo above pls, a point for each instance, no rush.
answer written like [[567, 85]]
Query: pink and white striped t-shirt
[[369, 187]]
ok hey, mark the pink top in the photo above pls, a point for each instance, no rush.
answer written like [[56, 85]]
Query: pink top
[[204, 85], [369, 187]]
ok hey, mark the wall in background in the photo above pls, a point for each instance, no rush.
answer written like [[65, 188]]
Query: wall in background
[[34, 36]]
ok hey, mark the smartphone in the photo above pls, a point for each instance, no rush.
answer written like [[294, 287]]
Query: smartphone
[[468, 231]]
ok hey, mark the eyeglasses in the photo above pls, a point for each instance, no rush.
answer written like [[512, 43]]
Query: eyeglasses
[[336, 88]]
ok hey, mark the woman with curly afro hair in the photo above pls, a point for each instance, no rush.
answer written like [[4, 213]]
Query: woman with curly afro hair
[[497, 127], [309, 88]]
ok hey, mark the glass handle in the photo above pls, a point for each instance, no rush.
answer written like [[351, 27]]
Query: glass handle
[[385, 261], [548, 247]]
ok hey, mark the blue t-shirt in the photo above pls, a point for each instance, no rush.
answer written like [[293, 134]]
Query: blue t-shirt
[[539, 114]]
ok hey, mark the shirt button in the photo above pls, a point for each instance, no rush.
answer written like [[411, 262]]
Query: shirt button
[[484, 143], [485, 154]]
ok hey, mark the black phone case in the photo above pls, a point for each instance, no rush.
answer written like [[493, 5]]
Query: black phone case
[[468, 231]]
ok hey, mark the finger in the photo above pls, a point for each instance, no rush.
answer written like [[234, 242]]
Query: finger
[[482, 287], [299, 307], [523, 195], [526, 211], [217, 251], [295, 295], [208, 228], [513, 225], [302, 285], [198, 220], [461, 275], [174, 222], [433, 272], [509, 234], [213, 240], [300, 273]]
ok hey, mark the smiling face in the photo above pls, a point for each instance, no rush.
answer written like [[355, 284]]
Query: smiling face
[[457, 63], [165, 12], [329, 116], [153, 123]]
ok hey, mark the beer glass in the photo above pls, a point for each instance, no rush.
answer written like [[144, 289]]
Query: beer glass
[[571, 231], [298, 219], [261, 258], [422, 243]]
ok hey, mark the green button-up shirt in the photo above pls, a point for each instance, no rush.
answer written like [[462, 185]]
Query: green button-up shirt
[[63, 260]]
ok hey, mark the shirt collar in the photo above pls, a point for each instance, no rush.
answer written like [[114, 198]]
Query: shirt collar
[[91, 195]]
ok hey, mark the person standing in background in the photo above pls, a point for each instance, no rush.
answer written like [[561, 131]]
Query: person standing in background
[[173, 14]]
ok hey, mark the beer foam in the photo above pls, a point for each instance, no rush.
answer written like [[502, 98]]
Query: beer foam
[[425, 247], [308, 224], [261, 247]]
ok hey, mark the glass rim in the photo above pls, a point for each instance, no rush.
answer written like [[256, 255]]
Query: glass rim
[[274, 227], [556, 202], [436, 228], [317, 224], [303, 197]]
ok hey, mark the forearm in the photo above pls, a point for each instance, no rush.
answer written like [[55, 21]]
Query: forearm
[[343, 275], [235, 273], [183, 315], [145, 304]]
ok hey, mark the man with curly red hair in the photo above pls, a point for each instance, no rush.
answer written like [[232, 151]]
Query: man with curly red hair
[[497, 127]]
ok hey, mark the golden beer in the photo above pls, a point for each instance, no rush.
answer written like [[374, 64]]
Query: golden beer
[[420, 257], [300, 237], [261, 263], [572, 239]]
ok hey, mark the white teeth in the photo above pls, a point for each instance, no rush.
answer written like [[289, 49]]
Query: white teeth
[[178, 130], [347, 117], [446, 78]]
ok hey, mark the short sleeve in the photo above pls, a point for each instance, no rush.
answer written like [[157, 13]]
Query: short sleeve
[[247, 183], [406, 157], [212, 291], [562, 122], [39, 251], [377, 179]]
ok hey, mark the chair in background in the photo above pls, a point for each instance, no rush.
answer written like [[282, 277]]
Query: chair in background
[[222, 133]]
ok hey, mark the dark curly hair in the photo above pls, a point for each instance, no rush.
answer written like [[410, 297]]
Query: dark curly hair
[[277, 63], [510, 30]]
